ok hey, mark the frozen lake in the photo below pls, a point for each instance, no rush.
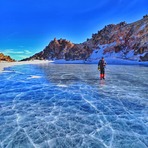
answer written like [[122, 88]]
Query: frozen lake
[[65, 106]]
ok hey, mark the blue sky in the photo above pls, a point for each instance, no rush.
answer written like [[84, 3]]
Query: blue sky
[[27, 26]]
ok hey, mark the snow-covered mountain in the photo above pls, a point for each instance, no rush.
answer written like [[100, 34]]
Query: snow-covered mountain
[[122, 41], [126, 41]]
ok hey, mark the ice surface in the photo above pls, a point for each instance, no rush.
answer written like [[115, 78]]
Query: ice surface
[[66, 106]]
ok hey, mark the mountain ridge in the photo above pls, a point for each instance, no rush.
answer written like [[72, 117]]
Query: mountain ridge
[[122, 40]]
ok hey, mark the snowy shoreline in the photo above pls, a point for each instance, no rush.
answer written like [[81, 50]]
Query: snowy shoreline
[[113, 61], [9, 64]]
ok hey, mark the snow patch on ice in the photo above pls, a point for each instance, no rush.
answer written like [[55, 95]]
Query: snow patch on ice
[[34, 77], [62, 85]]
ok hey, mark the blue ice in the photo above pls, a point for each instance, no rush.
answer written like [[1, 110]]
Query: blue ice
[[67, 106]]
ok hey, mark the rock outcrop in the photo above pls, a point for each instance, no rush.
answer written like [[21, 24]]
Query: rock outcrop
[[130, 40], [63, 49], [5, 58]]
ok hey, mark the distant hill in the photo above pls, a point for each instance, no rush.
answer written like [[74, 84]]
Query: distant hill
[[5, 58], [125, 41]]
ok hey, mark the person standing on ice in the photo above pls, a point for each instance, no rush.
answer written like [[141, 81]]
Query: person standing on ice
[[101, 67]]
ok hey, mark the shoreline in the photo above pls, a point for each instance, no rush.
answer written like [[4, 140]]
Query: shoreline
[[9, 64], [110, 61]]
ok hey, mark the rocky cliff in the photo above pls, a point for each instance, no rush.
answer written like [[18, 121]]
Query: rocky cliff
[[5, 58], [126, 41], [63, 49]]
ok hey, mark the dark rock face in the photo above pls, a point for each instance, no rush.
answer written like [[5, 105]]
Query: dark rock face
[[5, 58], [120, 37]]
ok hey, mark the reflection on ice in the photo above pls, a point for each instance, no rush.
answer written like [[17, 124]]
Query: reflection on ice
[[68, 106]]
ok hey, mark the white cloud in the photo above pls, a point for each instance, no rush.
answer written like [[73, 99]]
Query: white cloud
[[27, 52], [10, 51], [16, 54], [22, 56], [14, 51]]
